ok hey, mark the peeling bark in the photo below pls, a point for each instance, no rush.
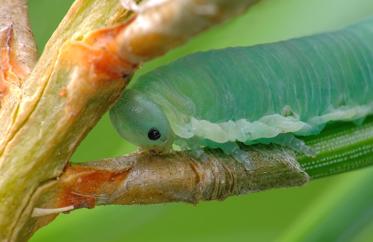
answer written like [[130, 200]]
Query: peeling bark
[[145, 178]]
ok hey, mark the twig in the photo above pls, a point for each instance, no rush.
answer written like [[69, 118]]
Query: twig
[[149, 178], [161, 28], [145, 178]]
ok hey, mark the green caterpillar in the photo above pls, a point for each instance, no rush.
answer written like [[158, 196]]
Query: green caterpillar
[[262, 94]]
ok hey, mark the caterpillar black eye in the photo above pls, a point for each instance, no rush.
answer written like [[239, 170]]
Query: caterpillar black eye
[[154, 134]]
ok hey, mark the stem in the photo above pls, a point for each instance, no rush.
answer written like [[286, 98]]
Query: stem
[[145, 178], [340, 148], [152, 34]]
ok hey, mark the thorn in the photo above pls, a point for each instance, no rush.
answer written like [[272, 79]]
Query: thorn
[[40, 212]]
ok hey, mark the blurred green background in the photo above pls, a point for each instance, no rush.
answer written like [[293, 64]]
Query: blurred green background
[[278, 215]]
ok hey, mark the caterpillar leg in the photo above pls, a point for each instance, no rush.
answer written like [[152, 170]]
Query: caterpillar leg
[[243, 157], [193, 148], [238, 154], [359, 121], [199, 154], [289, 140], [231, 149]]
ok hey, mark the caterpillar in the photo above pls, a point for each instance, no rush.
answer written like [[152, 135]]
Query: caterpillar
[[268, 93]]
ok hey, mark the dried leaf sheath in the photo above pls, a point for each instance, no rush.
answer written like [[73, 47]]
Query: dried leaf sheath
[[148, 179]]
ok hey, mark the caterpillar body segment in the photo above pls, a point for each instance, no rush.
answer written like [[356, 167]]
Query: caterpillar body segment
[[261, 94]]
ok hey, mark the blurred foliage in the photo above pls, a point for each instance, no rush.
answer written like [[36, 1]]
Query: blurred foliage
[[288, 214]]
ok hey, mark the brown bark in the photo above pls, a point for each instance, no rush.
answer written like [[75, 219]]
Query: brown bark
[[145, 178]]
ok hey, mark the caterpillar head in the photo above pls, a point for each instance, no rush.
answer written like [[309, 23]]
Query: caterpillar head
[[141, 121]]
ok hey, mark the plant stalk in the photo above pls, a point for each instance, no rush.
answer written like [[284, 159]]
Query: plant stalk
[[145, 178]]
